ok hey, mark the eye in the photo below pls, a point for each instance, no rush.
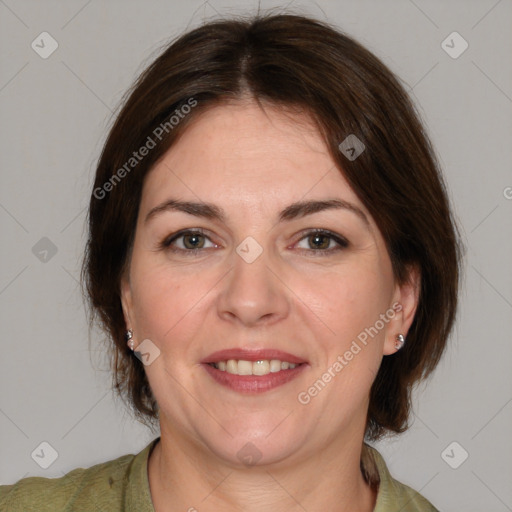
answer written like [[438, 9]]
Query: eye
[[188, 241], [320, 240]]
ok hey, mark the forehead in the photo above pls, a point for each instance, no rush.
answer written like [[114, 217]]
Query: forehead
[[244, 156]]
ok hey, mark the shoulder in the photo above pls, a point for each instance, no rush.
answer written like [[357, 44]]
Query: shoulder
[[101, 487], [394, 495], [95, 487]]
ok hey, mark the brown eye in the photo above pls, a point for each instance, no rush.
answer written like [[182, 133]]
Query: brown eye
[[193, 241], [322, 242], [319, 241], [188, 242]]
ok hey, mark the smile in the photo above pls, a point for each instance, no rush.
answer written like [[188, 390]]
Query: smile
[[261, 367], [249, 370]]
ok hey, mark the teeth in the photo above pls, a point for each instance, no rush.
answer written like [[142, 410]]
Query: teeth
[[262, 367], [275, 365], [259, 367], [244, 367], [232, 366]]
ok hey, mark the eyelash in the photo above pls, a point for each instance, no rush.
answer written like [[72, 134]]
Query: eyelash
[[166, 244]]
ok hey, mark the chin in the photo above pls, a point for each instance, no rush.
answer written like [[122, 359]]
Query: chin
[[256, 446]]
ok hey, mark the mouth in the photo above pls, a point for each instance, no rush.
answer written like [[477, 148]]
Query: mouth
[[259, 367], [253, 371]]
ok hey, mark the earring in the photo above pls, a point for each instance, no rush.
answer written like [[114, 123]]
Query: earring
[[129, 339], [399, 341]]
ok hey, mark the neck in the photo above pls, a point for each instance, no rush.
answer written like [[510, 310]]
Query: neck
[[182, 478]]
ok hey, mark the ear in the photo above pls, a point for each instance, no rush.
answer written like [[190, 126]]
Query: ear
[[126, 301], [404, 304]]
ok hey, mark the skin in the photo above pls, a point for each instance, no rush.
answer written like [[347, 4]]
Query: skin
[[253, 163]]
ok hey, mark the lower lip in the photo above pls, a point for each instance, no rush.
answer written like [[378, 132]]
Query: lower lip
[[254, 383]]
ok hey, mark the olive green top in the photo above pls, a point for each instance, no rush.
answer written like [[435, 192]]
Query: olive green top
[[122, 485]]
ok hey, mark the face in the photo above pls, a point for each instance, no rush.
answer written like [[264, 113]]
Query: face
[[277, 261]]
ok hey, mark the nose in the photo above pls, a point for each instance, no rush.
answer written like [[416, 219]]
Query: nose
[[253, 293]]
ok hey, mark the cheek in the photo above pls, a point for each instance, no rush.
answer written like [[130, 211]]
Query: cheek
[[350, 304], [165, 302], [350, 299]]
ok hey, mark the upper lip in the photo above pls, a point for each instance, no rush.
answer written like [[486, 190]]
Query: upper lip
[[251, 355]]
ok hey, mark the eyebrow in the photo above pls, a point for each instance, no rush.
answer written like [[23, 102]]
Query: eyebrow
[[291, 212]]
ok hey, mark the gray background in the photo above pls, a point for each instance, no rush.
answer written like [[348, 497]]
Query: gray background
[[55, 113]]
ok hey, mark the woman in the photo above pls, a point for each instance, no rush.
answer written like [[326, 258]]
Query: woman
[[272, 253]]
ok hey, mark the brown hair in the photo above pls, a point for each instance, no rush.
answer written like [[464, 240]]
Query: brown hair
[[288, 61]]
